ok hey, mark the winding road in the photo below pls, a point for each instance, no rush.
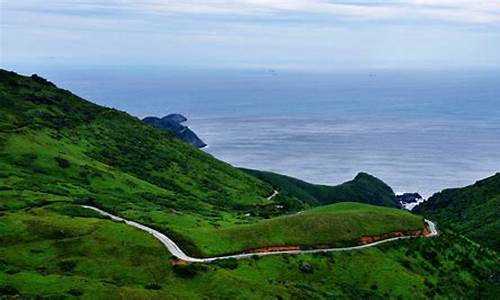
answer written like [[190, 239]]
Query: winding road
[[177, 252]]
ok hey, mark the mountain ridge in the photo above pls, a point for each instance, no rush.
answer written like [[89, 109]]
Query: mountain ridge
[[363, 188]]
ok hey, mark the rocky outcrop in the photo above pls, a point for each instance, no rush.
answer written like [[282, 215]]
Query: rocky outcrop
[[409, 200], [408, 197], [173, 123]]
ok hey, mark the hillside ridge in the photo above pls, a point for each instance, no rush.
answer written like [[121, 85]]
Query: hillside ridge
[[364, 188], [472, 210]]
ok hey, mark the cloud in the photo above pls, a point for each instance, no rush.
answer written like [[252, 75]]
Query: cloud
[[295, 33], [466, 11]]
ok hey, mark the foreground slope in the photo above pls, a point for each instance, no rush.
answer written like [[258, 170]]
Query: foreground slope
[[364, 188], [64, 251], [473, 210]]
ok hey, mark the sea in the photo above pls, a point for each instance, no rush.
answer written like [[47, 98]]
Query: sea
[[417, 130]]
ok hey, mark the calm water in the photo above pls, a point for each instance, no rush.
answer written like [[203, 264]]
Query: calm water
[[417, 130]]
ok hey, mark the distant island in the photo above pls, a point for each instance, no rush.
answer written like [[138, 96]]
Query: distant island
[[173, 123]]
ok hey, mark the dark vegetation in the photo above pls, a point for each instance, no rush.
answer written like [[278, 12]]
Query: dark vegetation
[[189, 270], [363, 188], [231, 263]]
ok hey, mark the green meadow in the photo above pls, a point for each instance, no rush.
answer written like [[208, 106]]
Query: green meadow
[[336, 225]]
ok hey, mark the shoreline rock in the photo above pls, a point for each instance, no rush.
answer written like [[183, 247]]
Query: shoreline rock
[[173, 123], [409, 201]]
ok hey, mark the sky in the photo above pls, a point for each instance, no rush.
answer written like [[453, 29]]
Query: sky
[[293, 34]]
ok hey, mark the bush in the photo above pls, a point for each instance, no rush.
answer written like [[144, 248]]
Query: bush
[[230, 263], [85, 200], [26, 160], [61, 162], [67, 265], [306, 267], [153, 286], [189, 270], [8, 290], [75, 292]]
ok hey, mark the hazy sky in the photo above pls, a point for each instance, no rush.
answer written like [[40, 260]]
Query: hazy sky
[[310, 34]]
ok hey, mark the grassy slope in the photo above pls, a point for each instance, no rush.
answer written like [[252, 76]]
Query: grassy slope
[[363, 188], [61, 250], [472, 210], [41, 120], [337, 225]]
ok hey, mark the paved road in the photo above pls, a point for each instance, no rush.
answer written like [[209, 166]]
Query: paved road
[[177, 252], [273, 195]]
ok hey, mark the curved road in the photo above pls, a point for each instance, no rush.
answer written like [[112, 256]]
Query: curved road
[[177, 252]]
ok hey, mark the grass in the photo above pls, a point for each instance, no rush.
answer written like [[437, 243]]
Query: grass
[[336, 225], [57, 252]]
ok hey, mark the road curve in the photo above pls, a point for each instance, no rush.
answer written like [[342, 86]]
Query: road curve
[[177, 252]]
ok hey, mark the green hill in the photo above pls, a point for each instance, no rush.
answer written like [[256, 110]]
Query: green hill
[[363, 188], [57, 143], [474, 211], [335, 225]]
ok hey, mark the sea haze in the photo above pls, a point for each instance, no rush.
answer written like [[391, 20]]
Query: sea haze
[[420, 131]]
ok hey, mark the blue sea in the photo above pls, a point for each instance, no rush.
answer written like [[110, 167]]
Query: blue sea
[[418, 130]]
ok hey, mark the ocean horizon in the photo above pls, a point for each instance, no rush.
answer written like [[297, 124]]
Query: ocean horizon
[[418, 130]]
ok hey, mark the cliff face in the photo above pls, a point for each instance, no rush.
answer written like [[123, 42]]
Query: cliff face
[[173, 123]]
